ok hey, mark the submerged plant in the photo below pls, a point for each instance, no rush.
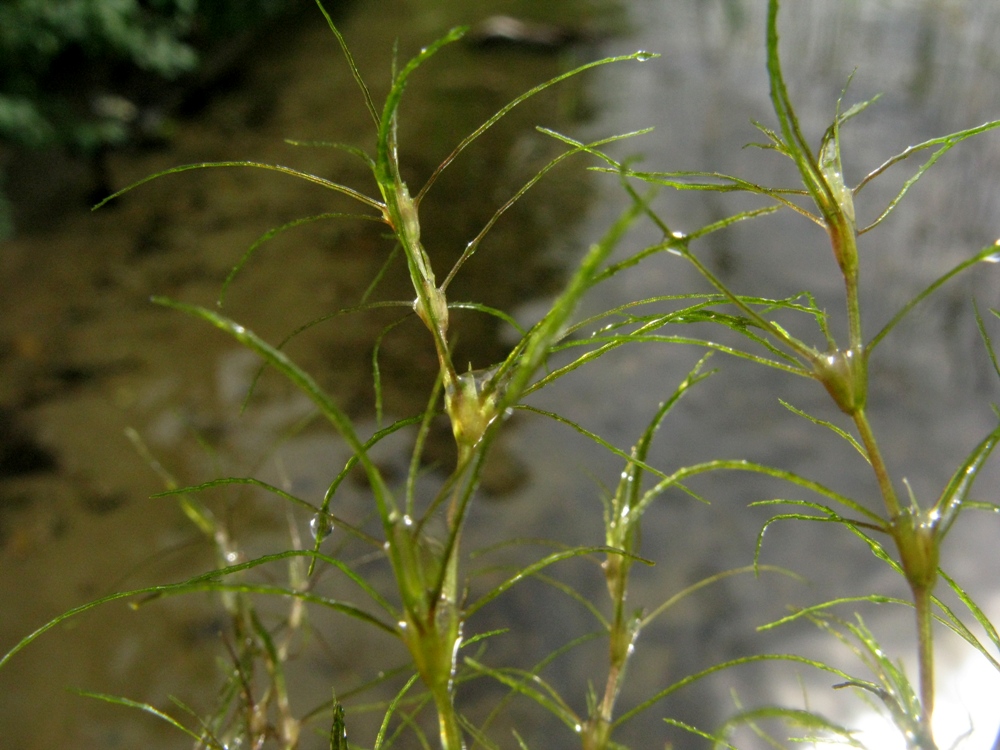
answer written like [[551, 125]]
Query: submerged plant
[[430, 608], [421, 541], [916, 531]]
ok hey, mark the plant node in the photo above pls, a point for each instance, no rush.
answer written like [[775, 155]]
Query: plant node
[[844, 374]]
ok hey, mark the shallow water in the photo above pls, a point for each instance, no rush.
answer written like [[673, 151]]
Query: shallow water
[[85, 355], [932, 383]]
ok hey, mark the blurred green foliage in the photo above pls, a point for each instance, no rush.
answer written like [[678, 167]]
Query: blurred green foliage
[[61, 60], [83, 75]]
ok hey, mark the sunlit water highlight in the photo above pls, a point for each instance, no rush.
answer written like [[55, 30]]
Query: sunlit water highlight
[[966, 714]]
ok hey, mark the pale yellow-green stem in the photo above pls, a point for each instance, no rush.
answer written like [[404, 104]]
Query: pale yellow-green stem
[[433, 637], [925, 645], [622, 632], [889, 497], [845, 377], [431, 304], [918, 548]]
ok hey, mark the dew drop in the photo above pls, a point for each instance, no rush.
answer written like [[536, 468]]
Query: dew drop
[[320, 526], [642, 55], [994, 258]]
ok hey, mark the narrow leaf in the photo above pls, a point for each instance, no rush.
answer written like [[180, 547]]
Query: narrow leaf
[[946, 142], [952, 498], [305, 383], [792, 658], [271, 233], [641, 56], [120, 701], [938, 282], [350, 192], [536, 566], [547, 698], [350, 63], [986, 339], [829, 425]]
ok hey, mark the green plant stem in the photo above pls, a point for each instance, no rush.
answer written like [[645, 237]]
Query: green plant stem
[[925, 645], [878, 464], [847, 241], [433, 637], [597, 733], [921, 590], [620, 648], [431, 305], [451, 732], [434, 621], [843, 237]]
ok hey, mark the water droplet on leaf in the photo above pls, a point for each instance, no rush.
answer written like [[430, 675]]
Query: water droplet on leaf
[[320, 526]]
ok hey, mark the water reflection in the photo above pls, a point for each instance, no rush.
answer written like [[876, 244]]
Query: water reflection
[[937, 69], [84, 354]]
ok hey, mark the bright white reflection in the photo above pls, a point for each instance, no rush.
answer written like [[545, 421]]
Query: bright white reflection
[[967, 715]]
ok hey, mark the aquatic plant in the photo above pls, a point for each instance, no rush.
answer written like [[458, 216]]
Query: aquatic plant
[[430, 604], [907, 536]]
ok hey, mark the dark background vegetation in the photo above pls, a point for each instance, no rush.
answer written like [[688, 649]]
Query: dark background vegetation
[[78, 77]]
